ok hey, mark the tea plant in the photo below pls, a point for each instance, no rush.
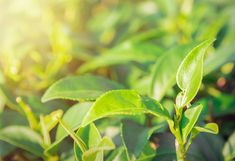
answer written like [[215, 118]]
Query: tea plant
[[129, 102], [134, 90]]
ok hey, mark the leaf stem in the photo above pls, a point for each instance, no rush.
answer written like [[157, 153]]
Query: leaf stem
[[76, 138], [180, 150], [179, 143]]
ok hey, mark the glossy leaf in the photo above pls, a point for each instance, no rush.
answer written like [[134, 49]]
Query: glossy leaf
[[80, 88], [229, 148], [189, 119], [190, 72], [23, 137], [123, 102], [165, 70]]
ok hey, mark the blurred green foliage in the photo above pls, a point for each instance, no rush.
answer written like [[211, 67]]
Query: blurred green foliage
[[137, 43]]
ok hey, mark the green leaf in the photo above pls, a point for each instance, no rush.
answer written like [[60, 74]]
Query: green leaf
[[189, 119], [123, 102], [51, 120], [91, 137], [80, 88], [208, 128], [33, 122], [124, 53], [209, 146], [229, 148], [137, 143], [93, 153], [190, 72], [165, 70], [73, 118], [8, 148], [7, 96], [23, 137], [118, 154], [148, 153], [76, 138], [213, 28]]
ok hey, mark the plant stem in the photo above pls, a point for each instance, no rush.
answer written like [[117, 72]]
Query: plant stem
[[180, 150], [179, 143]]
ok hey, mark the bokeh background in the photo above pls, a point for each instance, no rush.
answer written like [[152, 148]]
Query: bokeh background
[[42, 41]]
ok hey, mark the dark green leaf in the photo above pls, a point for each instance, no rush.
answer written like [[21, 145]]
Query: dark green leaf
[[5, 148], [137, 143]]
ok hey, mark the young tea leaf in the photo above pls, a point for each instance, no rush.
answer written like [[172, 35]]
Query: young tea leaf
[[80, 88], [190, 72], [189, 119], [165, 70], [208, 128]]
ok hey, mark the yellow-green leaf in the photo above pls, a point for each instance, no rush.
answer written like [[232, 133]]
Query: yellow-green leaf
[[123, 102], [189, 119], [190, 72]]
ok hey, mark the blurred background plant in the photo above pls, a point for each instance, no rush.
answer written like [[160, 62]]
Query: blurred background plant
[[136, 43]]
